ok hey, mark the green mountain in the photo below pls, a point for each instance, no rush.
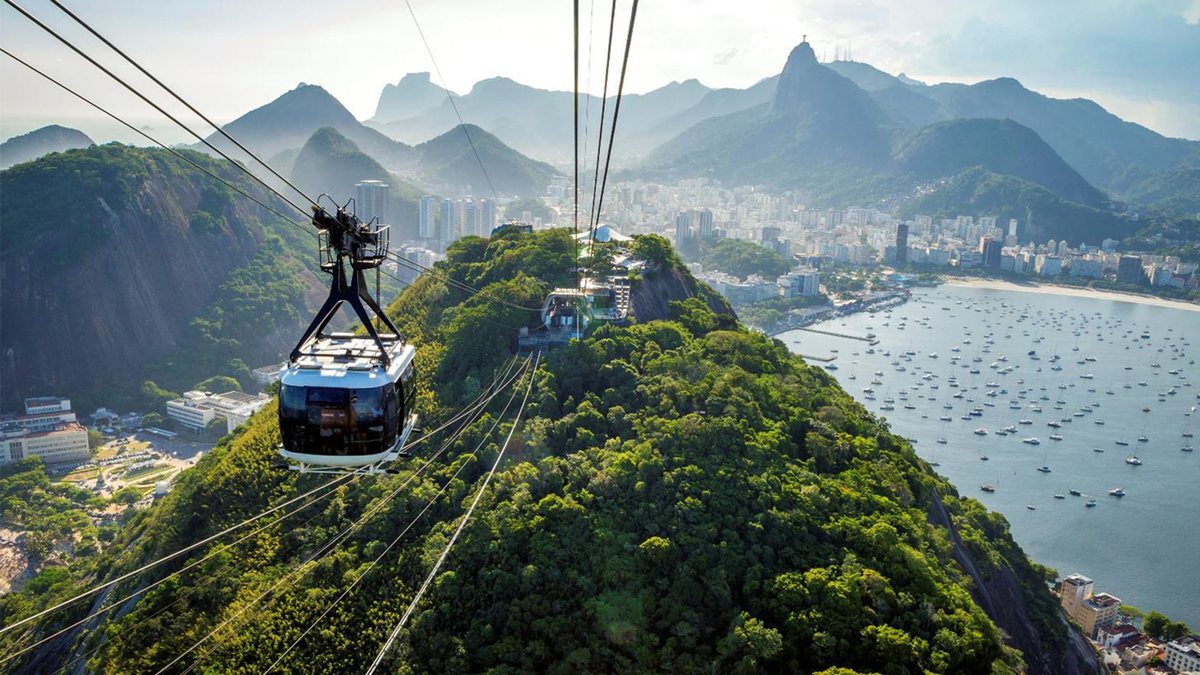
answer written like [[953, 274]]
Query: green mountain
[[120, 264], [1001, 146], [1043, 214], [289, 121], [1100, 145], [824, 134], [449, 162], [682, 495], [329, 163], [1173, 192], [48, 139]]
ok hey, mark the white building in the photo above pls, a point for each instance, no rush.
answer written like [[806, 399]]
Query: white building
[[1047, 265], [426, 217], [67, 443], [1183, 654], [197, 409], [372, 199], [1081, 267], [47, 429], [804, 282]]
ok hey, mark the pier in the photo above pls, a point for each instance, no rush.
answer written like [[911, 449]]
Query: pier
[[848, 336]]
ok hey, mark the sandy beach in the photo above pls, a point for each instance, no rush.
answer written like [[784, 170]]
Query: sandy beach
[[1069, 291]]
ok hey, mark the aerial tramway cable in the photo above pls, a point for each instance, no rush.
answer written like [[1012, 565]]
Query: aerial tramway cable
[[133, 90], [592, 215], [179, 98], [472, 408], [462, 125], [499, 382], [292, 577], [148, 137], [113, 605], [170, 556], [458, 530], [394, 541], [612, 132]]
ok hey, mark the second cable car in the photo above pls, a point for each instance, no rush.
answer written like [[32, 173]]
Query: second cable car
[[346, 400]]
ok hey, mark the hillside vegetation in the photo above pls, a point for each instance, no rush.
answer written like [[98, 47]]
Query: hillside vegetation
[[683, 496], [101, 290]]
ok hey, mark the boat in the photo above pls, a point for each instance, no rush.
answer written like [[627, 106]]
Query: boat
[[1122, 442], [1117, 492], [1044, 469], [981, 432], [1056, 437], [987, 487], [1031, 441], [1187, 448], [1031, 507], [1059, 497], [1133, 460], [1097, 450], [1091, 503], [1075, 493]]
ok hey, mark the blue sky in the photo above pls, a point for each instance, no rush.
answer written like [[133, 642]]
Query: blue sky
[[1138, 59]]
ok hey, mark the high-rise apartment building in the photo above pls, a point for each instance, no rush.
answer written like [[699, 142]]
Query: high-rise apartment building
[[426, 217], [706, 224], [372, 200], [487, 217], [448, 222], [989, 251], [1129, 269], [902, 244], [470, 218], [683, 228]]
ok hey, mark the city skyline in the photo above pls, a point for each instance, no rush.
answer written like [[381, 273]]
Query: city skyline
[[1136, 60]]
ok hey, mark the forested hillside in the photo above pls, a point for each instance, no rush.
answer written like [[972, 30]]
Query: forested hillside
[[120, 264], [683, 495]]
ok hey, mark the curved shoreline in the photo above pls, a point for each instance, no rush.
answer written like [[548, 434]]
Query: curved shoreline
[[1071, 291]]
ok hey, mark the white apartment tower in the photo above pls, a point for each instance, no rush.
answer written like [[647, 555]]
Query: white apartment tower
[[426, 217], [372, 201]]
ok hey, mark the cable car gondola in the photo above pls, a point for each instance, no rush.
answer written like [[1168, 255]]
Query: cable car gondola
[[346, 401]]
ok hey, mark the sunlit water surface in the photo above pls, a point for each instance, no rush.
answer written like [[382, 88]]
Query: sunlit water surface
[[1142, 547]]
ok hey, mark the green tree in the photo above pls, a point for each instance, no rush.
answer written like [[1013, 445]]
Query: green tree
[[743, 258], [127, 496], [218, 384]]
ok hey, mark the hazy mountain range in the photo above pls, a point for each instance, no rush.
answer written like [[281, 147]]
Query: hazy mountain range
[[843, 132]]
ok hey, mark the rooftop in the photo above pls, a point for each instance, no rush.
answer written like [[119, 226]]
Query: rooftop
[[1104, 600], [1077, 580]]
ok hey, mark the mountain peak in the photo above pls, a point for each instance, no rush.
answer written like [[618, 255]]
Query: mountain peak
[[412, 95], [802, 56], [52, 138], [414, 78], [1004, 84]]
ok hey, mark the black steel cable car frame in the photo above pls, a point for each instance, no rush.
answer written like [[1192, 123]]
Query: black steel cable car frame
[[345, 239]]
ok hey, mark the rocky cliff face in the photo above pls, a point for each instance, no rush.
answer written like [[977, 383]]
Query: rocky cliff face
[[1000, 592], [651, 298], [108, 255]]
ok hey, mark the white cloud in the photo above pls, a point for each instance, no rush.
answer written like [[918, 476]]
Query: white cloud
[[232, 55]]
